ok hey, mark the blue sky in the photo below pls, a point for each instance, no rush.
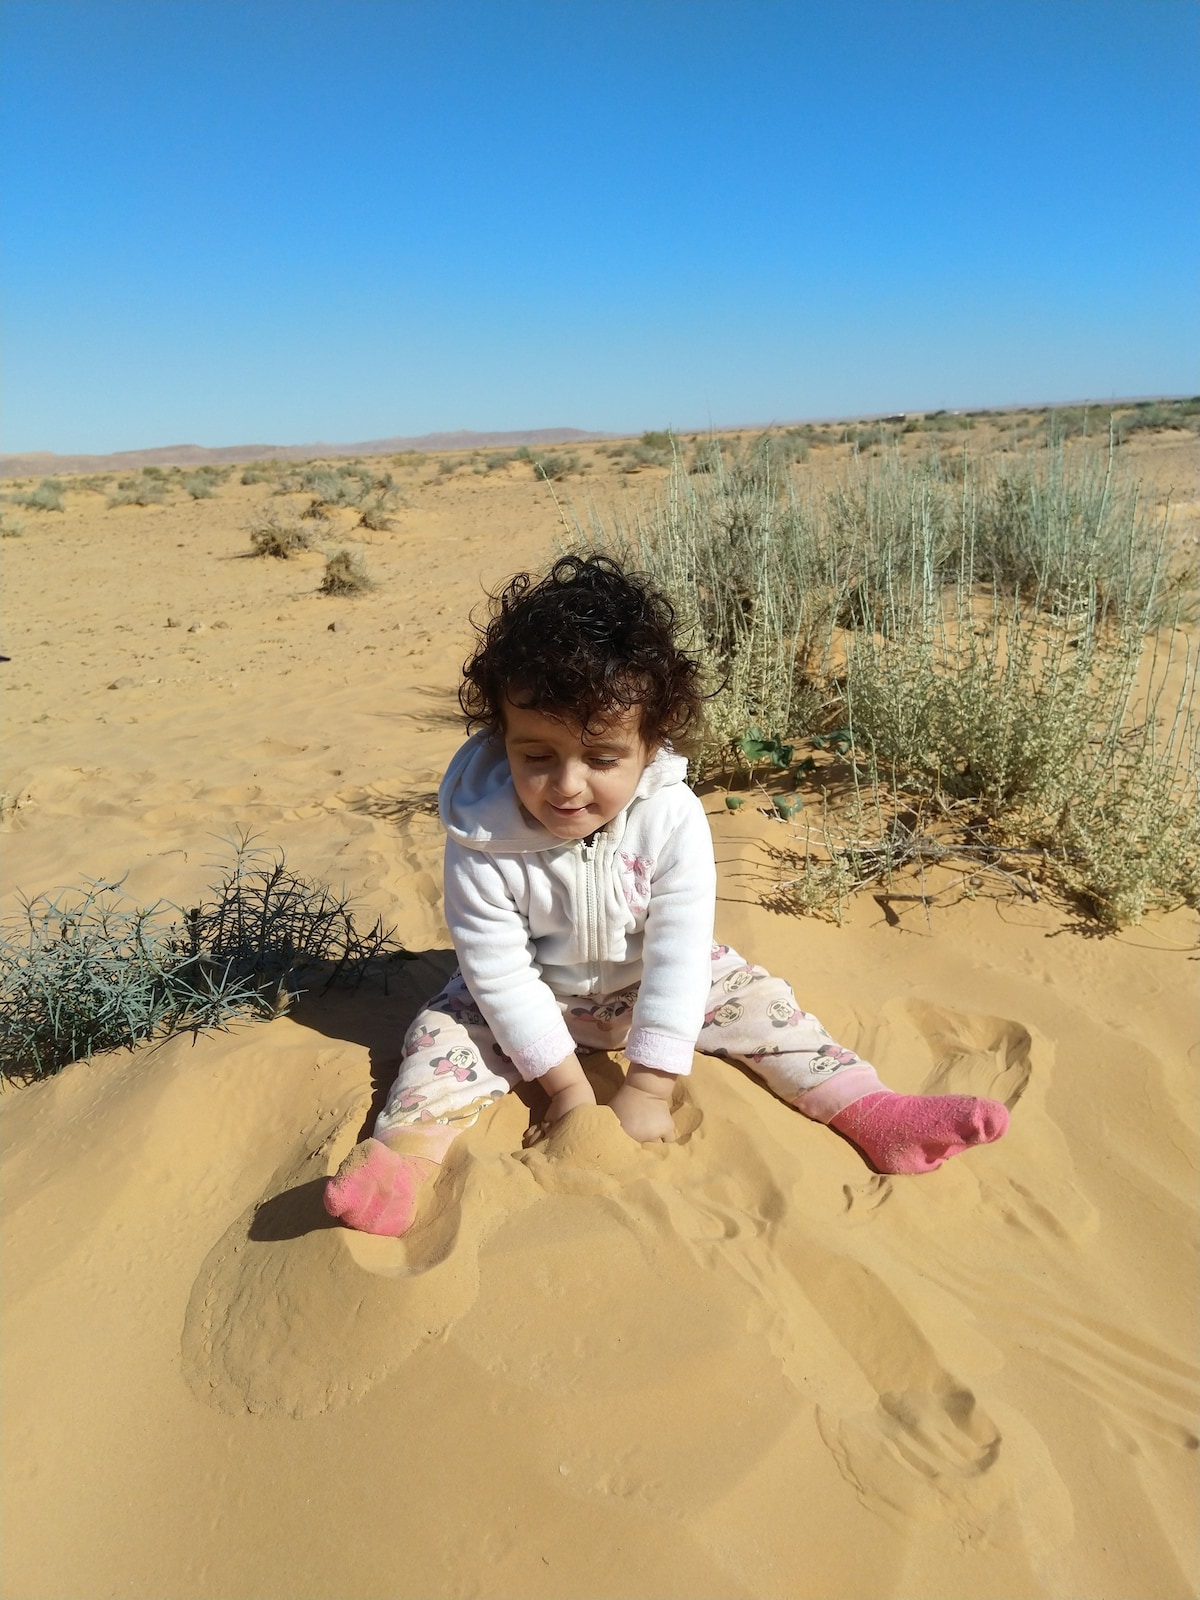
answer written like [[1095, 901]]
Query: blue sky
[[283, 221]]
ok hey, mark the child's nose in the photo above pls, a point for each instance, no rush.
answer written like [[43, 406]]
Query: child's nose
[[570, 779]]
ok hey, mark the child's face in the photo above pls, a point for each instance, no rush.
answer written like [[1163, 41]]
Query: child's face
[[571, 783]]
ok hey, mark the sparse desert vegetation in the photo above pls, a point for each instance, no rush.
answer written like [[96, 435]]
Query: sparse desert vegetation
[[994, 642], [934, 637]]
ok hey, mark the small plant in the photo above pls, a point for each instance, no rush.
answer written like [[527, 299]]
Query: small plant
[[278, 537], [88, 969], [199, 485], [376, 513], [345, 575], [10, 527], [48, 496], [138, 492], [552, 466]]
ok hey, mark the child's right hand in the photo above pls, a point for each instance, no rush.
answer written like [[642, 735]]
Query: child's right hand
[[567, 1087]]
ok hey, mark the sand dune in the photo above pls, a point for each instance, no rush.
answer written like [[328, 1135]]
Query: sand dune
[[742, 1366]]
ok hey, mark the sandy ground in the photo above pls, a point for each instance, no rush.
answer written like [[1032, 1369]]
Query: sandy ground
[[740, 1367]]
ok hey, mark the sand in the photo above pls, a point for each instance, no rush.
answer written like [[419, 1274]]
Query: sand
[[743, 1366]]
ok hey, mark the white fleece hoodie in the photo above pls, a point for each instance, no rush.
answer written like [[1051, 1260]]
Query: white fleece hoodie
[[536, 919]]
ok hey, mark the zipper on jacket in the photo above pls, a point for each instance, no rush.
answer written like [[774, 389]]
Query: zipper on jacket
[[591, 945]]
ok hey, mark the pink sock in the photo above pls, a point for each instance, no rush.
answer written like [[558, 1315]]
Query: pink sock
[[375, 1190], [917, 1132]]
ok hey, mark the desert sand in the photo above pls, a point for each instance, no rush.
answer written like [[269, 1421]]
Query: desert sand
[[743, 1366]]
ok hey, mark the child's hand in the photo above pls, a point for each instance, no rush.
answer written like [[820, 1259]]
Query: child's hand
[[643, 1105], [567, 1088]]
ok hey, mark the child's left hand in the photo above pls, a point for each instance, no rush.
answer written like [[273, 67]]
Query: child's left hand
[[643, 1106]]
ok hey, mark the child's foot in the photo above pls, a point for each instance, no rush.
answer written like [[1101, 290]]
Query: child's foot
[[375, 1190], [917, 1132]]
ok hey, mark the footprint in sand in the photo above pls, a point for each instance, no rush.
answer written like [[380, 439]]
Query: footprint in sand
[[927, 1450], [973, 1053]]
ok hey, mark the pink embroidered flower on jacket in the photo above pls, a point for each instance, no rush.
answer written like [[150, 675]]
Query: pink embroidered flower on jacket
[[639, 870]]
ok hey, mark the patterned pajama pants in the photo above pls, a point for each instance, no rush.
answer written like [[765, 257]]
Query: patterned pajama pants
[[453, 1068]]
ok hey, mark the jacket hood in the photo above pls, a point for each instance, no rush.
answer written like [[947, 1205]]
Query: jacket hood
[[479, 808]]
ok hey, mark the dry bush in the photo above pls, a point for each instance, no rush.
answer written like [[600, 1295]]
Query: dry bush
[[276, 536], [345, 575]]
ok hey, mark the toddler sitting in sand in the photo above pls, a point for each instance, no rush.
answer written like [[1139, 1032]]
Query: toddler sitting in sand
[[580, 894]]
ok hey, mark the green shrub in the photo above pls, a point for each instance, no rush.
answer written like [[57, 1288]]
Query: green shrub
[[88, 969], [552, 465], [984, 640]]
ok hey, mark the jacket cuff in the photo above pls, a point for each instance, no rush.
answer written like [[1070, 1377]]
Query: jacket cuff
[[537, 1058], [660, 1051]]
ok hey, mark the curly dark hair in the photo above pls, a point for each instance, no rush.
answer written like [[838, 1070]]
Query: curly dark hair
[[585, 642]]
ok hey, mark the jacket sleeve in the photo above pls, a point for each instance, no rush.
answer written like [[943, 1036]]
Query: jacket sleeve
[[677, 948], [496, 958]]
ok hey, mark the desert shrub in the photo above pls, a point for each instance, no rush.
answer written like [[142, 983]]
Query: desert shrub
[[48, 496], [277, 536], [377, 512], [259, 472], [199, 485], [10, 527], [138, 492], [984, 647], [331, 486], [88, 969], [345, 575], [552, 465], [1157, 414]]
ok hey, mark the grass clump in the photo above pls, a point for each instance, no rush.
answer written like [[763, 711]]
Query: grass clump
[[88, 969], [345, 575], [278, 536]]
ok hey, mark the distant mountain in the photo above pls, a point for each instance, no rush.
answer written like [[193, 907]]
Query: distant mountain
[[194, 455]]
